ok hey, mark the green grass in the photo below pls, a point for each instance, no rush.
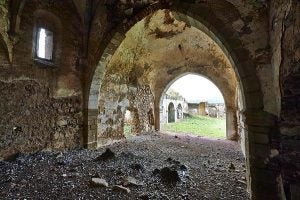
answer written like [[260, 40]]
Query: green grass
[[199, 125], [127, 130]]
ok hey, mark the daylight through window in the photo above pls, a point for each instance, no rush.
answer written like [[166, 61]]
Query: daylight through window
[[45, 44]]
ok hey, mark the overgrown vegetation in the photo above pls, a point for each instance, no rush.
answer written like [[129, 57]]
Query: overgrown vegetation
[[199, 125]]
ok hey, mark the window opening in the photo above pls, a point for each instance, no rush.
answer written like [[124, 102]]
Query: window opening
[[44, 44]]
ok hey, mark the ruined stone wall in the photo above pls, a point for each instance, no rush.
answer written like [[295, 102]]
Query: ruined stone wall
[[41, 105], [31, 120], [115, 99], [285, 32], [142, 99]]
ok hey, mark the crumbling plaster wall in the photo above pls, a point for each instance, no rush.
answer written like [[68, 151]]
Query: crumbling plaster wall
[[41, 105]]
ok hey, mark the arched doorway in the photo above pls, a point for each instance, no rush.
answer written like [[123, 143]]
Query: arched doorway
[[171, 113], [228, 93], [131, 122]]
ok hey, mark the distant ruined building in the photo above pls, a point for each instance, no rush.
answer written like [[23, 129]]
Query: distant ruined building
[[172, 108], [217, 110]]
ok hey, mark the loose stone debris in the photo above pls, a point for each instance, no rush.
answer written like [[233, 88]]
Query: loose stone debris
[[144, 167]]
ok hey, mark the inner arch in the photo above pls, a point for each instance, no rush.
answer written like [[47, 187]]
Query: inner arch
[[231, 112]]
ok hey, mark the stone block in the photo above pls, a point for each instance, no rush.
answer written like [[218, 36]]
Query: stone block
[[259, 118]]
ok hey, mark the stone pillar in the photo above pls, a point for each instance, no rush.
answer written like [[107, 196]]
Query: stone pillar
[[264, 180], [92, 129], [202, 108], [231, 124], [156, 114]]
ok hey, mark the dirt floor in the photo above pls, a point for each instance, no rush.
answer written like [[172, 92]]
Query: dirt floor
[[150, 166]]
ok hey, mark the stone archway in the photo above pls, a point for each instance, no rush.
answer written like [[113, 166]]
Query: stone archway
[[229, 93], [171, 113], [256, 121]]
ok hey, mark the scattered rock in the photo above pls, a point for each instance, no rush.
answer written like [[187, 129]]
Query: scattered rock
[[61, 162], [156, 171], [62, 122], [183, 168], [99, 182], [164, 196], [172, 161], [108, 154], [124, 171], [130, 181], [231, 166], [137, 166], [169, 175], [127, 155], [58, 155], [119, 172], [120, 188], [144, 196]]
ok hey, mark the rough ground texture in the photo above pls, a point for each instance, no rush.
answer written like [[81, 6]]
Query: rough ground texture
[[203, 167]]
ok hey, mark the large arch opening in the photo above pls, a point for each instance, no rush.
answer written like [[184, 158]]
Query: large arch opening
[[249, 94]]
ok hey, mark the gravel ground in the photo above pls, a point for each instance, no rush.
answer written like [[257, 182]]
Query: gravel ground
[[208, 169]]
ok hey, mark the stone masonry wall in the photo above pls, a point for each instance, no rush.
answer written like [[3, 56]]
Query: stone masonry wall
[[116, 97], [142, 99], [31, 120], [285, 29], [41, 105]]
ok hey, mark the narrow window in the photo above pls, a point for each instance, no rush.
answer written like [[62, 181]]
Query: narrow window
[[44, 44]]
